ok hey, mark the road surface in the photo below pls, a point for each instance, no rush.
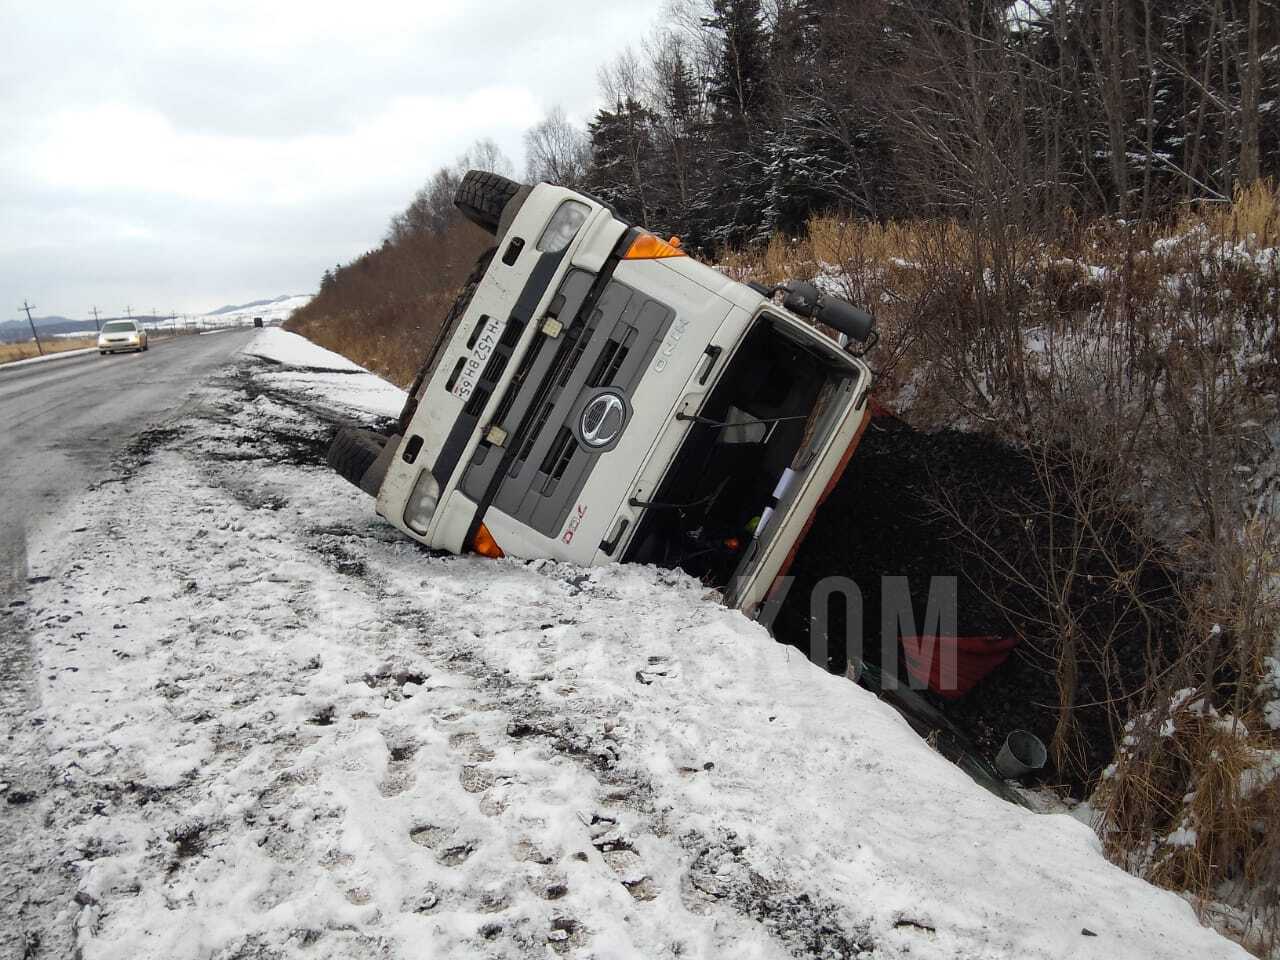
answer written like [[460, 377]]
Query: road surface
[[63, 422]]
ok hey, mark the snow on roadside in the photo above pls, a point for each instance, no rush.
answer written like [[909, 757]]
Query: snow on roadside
[[308, 370], [279, 729], [46, 358], [289, 349]]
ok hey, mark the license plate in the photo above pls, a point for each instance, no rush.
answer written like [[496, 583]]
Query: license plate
[[470, 375]]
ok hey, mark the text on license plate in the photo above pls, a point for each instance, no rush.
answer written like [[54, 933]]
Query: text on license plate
[[470, 375]]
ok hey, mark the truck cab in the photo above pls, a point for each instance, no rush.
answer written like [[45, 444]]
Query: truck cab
[[599, 396]]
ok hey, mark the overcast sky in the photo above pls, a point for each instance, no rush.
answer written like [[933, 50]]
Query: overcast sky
[[182, 155]]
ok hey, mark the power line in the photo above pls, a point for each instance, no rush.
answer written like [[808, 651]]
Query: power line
[[27, 307]]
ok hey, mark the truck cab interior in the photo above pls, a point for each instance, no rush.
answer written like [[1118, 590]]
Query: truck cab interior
[[758, 431]]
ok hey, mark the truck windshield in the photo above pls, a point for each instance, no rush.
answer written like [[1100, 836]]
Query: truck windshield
[[745, 454]]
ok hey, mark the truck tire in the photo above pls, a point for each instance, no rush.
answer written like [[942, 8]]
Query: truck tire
[[446, 330], [482, 196], [353, 452]]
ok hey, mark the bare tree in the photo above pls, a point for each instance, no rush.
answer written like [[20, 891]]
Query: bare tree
[[556, 151], [431, 210], [1249, 67], [675, 96], [485, 154]]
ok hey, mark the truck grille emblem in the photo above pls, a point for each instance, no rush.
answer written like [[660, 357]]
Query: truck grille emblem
[[602, 420]]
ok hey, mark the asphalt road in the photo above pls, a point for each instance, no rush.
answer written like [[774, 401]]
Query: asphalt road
[[61, 423]]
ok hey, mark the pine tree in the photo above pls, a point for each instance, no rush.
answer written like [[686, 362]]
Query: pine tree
[[621, 154], [729, 203], [739, 85]]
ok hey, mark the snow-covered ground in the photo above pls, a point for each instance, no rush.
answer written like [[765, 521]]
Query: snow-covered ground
[[278, 729], [48, 358]]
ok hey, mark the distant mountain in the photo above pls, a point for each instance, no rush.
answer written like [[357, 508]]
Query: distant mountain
[[275, 308], [15, 331]]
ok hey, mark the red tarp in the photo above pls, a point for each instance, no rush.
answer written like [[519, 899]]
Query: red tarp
[[878, 409], [952, 666]]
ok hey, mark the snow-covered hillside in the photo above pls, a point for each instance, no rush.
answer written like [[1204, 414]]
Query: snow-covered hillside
[[278, 729], [273, 313], [276, 311]]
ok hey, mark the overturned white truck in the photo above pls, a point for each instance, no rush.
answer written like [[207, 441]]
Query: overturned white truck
[[595, 395]]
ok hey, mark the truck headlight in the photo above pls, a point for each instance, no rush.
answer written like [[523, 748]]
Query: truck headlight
[[421, 506], [564, 225]]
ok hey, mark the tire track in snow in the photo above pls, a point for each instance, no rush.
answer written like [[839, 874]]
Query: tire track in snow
[[35, 893]]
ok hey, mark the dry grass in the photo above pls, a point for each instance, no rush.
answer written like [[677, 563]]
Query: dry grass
[[1193, 802], [1252, 218], [1193, 807], [10, 352], [384, 309], [955, 301]]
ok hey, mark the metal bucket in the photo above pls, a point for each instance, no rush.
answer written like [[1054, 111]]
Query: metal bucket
[[1021, 754]]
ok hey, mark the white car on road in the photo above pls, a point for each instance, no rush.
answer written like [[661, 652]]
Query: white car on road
[[117, 335]]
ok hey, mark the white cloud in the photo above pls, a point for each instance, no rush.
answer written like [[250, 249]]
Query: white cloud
[[141, 150], [185, 147]]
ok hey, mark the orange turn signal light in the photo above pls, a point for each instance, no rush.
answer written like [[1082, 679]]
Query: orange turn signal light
[[485, 545], [646, 246]]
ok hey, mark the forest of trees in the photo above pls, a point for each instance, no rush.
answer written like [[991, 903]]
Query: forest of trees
[[740, 118], [736, 120]]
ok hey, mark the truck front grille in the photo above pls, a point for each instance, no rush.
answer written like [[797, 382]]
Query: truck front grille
[[612, 347], [611, 358]]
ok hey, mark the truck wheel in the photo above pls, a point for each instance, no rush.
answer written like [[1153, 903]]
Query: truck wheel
[[482, 196], [353, 452], [446, 330]]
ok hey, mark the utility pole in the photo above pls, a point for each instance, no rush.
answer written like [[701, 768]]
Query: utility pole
[[128, 312], [95, 320], [27, 307]]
